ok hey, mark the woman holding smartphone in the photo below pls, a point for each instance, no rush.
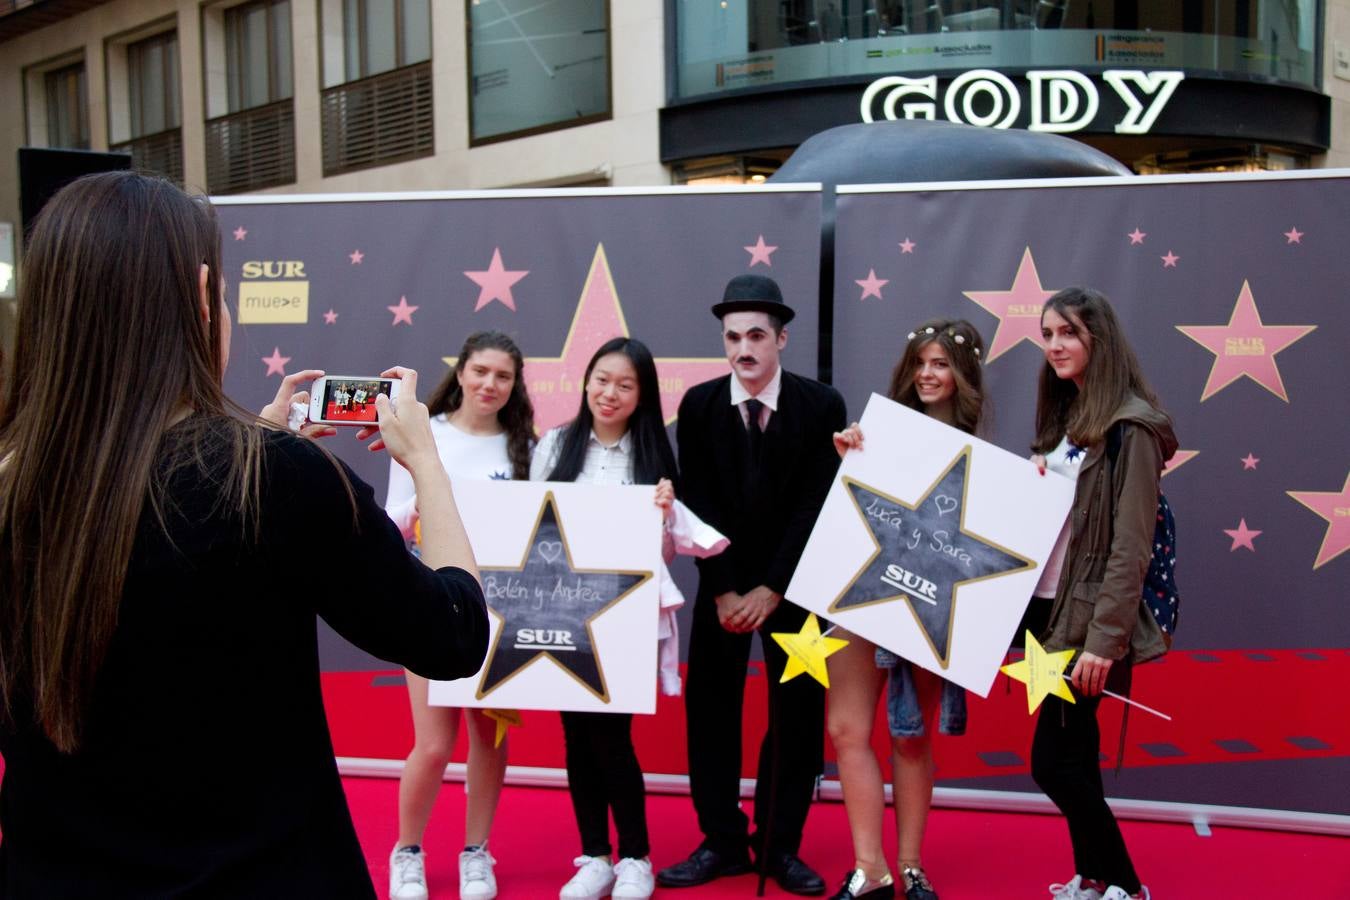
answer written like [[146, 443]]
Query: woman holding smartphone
[[618, 437], [939, 375], [163, 555], [483, 424], [1098, 422]]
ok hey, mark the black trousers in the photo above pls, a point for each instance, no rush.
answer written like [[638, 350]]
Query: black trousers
[[1064, 763], [714, 698], [602, 775]]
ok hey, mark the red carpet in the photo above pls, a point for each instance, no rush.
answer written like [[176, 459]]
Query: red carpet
[[970, 856]]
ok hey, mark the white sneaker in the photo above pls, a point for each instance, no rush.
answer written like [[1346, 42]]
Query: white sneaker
[[407, 874], [1074, 890], [1118, 893], [594, 878], [633, 879], [476, 881]]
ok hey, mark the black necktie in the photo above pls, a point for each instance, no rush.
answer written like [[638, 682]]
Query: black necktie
[[753, 408]]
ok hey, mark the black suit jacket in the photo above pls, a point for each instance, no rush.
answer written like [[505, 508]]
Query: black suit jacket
[[767, 516]]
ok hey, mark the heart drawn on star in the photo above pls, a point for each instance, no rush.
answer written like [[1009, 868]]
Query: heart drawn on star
[[944, 504], [551, 551]]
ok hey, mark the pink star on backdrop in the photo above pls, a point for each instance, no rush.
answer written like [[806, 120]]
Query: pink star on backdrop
[[1242, 536], [1332, 506], [760, 252], [1018, 309], [240, 233], [1245, 346], [276, 363], [329, 317], [1249, 462], [1293, 236], [1170, 260], [1178, 459], [1137, 236], [907, 246], [495, 282], [555, 382], [403, 312], [356, 256], [871, 285]]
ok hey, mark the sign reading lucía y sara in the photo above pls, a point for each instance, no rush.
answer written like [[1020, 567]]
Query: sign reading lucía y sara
[[570, 576], [1057, 100], [930, 544]]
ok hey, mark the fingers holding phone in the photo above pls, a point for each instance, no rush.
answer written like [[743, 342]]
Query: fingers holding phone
[[404, 422]]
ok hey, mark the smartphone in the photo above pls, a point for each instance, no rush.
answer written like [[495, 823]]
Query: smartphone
[[348, 399]]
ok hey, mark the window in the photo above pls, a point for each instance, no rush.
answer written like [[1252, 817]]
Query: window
[[258, 53], [383, 35], [67, 107], [537, 66], [152, 72], [144, 99]]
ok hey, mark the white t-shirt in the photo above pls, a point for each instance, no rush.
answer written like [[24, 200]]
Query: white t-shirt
[[463, 455], [1066, 459]]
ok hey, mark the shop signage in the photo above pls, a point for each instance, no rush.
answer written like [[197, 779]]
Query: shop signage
[[1061, 100]]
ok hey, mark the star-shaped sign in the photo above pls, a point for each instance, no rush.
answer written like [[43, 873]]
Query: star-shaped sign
[[506, 719], [276, 363], [1018, 309], [403, 312], [1333, 506], [1293, 236], [807, 650], [1042, 673], [871, 285], [1245, 346], [1242, 536], [495, 282], [240, 233], [1177, 460], [1170, 260], [546, 606], [356, 256], [760, 253], [907, 246], [555, 382], [923, 553], [1137, 236]]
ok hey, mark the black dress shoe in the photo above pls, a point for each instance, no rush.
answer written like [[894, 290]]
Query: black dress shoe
[[793, 875], [702, 866], [917, 885], [855, 888]]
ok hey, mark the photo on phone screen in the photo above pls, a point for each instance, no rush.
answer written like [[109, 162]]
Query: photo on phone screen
[[353, 399]]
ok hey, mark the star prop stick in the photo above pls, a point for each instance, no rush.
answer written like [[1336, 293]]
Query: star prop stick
[[506, 719], [1134, 703], [807, 649], [1043, 673]]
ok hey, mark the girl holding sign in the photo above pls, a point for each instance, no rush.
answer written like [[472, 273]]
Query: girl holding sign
[[939, 374], [483, 424], [618, 437], [1097, 421]]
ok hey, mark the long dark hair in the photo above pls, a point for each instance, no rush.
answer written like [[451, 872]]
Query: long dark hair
[[653, 458], [964, 348], [110, 350], [516, 417], [1111, 376]]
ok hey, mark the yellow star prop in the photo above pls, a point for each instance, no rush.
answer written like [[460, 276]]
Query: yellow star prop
[[1041, 672], [806, 651], [505, 719]]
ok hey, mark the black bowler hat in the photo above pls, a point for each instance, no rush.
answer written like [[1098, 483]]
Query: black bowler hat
[[754, 293]]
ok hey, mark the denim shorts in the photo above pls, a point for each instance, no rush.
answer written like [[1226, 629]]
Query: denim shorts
[[902, 700]]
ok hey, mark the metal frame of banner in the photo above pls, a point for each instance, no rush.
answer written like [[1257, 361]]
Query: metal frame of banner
[[516, 193], [1091, 181], [1202, 817]]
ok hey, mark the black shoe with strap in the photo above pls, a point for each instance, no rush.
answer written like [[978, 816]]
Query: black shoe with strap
[[917, 885], [793, 875], [857, 887], [702, 866]]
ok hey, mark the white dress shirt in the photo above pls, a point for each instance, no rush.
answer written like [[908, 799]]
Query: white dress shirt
[[768, 396]]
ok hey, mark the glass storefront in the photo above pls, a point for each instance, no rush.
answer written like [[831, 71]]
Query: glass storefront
[[726, 45]]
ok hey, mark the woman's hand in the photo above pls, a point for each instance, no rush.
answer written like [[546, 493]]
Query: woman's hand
[[405, 424], [279, 410], [665, 497], [851, 438], [1089, 674], [1038, 460]]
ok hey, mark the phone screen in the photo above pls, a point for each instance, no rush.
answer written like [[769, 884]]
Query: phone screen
[[353, 399]]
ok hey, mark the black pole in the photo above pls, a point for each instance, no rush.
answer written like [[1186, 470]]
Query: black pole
[[762, 861]]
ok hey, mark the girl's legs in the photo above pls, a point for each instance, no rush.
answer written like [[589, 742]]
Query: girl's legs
[[855, 687], [486, 772], [603, 774], [912, 765], [586, 785], [434, 729], [1065, 765]]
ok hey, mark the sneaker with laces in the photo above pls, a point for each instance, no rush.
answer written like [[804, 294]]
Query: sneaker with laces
[[594, 879], [407, 874], [633, 879], [476, 879], [1118, 893], [1074, 890]]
